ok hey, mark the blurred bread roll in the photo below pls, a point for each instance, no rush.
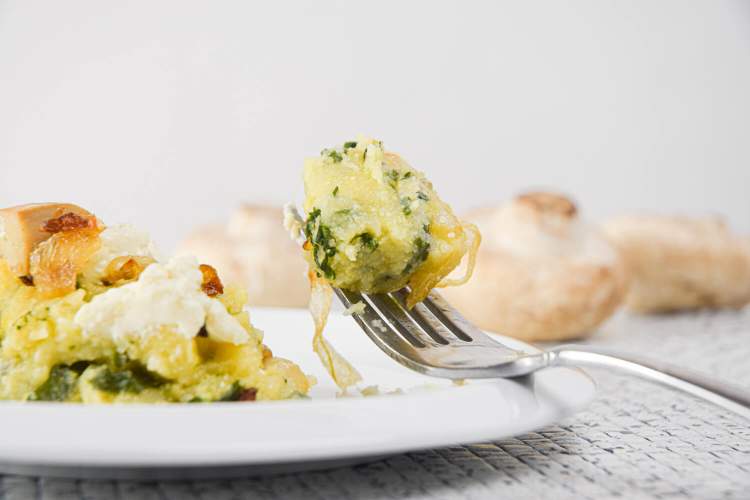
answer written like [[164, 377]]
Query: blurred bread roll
[[542, 274], [253, 249], [680, 263]]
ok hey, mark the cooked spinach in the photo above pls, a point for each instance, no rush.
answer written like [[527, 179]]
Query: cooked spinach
[[238, 393], [323, 243], [233, 394], [58, 386], [312, 217], [131, 377]]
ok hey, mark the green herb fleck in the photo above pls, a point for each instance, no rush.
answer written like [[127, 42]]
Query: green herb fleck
[[393, 177], [23, 320], [407, 175], [335, 191], [334, 155], [406, 205], [422, 196], [419, 255], [350, 144], [367, 240]]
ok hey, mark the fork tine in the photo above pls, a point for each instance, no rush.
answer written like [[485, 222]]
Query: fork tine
[[395, 313], [420, 315], [378, 330], [397, 332], [453, 320]]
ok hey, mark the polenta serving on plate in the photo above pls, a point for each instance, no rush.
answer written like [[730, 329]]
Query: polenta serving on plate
[[374, 224], [92, 314]]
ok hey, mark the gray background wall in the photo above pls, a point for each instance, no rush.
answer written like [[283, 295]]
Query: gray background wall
[[167, 114]]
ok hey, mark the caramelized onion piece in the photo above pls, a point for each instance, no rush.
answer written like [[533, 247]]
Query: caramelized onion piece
[[125, 269], [248, 394], [68, 222], [56, 262], [211, 285]]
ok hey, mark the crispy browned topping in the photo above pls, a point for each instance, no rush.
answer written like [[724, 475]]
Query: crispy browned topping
[[68, 222], [56, 262], [203, 332], [549, 203], [211, 285], [267, 353], [248, 394], [27, 280], [125, 269]]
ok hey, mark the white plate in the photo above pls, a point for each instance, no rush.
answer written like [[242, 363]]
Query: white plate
[[228, 439]]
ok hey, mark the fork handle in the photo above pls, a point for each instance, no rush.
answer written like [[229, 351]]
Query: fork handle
[[728, 396]]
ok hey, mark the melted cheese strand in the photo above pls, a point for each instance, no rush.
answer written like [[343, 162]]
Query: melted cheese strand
[[475, 239], [340, 370]]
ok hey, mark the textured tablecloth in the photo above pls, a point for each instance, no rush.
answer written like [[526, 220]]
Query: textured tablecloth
[[637, 440]]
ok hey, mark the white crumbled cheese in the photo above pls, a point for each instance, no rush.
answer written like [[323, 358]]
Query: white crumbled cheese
[[293, 222], [373, 161], [356, 308], [165, 295], [118, 241]]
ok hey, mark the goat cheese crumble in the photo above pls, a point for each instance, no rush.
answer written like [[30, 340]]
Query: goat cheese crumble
[[165, 294]]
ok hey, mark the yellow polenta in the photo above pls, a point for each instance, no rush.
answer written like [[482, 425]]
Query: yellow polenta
[[115, 342], [375, 224]]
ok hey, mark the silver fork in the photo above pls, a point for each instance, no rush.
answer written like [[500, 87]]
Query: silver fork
[[434, 339]]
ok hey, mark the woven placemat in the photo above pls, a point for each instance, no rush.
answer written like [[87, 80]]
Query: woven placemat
[[637, 440]]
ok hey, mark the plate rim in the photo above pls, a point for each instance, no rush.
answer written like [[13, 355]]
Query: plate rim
[[38, 455]]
